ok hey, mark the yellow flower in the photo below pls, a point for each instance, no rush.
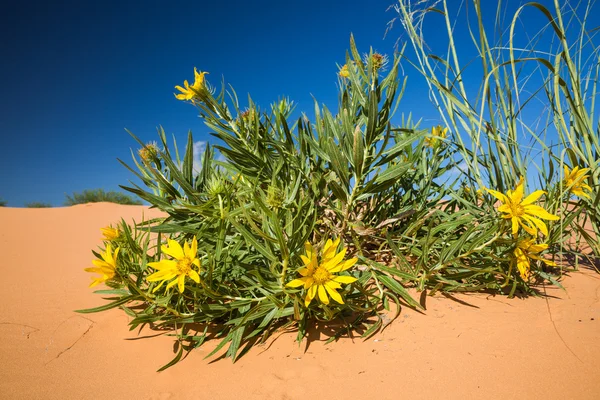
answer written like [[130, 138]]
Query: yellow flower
[[105, 267], [344, 73], [575, 181], [188, 92], [437, 133], [176, 270], [319, 278], [110, 233], [522, 212], [527, 249]]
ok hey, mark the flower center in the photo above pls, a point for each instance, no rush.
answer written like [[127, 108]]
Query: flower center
[[321, 275], [517, 209], [184, 266]]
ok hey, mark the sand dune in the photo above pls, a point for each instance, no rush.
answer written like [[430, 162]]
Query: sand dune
[[472, 346]]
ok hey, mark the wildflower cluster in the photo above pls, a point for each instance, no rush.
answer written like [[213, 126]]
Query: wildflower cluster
[[328, 220]]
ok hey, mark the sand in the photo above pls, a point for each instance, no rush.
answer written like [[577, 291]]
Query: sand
[[469, 346]]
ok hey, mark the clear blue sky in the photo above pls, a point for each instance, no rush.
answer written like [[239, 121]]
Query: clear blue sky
[[75, 74]]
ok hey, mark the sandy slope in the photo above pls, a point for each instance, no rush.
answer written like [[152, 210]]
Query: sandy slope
[[474, 347]]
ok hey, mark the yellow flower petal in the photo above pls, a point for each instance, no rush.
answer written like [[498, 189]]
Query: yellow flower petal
[[194, 276], [305, 259], [533, 197], [181, 283], [158, 287], [344, 265], [334, 295], [96, 281], [333, 262], [296, 283], [310, 294], [330, 249], [163, 264], [498, 195], [517, 195], [505, 208], [161, 276], [309, 282], [515, 225], [172, 283], [174, 250], [538, 223], [322, 294], [332, 284], [530, 228], [539, 212]]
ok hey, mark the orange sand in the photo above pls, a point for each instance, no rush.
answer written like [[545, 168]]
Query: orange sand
[[475, 346]]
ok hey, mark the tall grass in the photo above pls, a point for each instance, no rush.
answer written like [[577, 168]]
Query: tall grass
[[526, 97]]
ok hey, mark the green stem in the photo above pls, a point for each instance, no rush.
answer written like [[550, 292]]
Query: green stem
[[284, 271]]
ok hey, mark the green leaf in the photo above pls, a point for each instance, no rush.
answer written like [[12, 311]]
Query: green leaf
[[174, 360], [358, 152], [108, 306], [397, 288]]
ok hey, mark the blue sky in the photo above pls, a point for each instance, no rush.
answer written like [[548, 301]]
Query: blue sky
[[75, 74]]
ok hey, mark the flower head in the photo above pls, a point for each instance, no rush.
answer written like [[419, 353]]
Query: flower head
[[106, 267], [575, 181], [149, 152], [176, 270], [378, 61], [437, 134], [110, 233], [526, 251], [249, 115], [522, 212], [319, 279], [189, 92], [215, 186], [344, 72]]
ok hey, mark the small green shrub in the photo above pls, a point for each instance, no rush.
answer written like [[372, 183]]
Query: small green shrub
[[2, 203], [37, 204], [99, 195]]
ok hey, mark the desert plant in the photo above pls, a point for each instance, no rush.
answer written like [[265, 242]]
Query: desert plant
[[3, 203], [37, 204], [329, 220], [99, 195]]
